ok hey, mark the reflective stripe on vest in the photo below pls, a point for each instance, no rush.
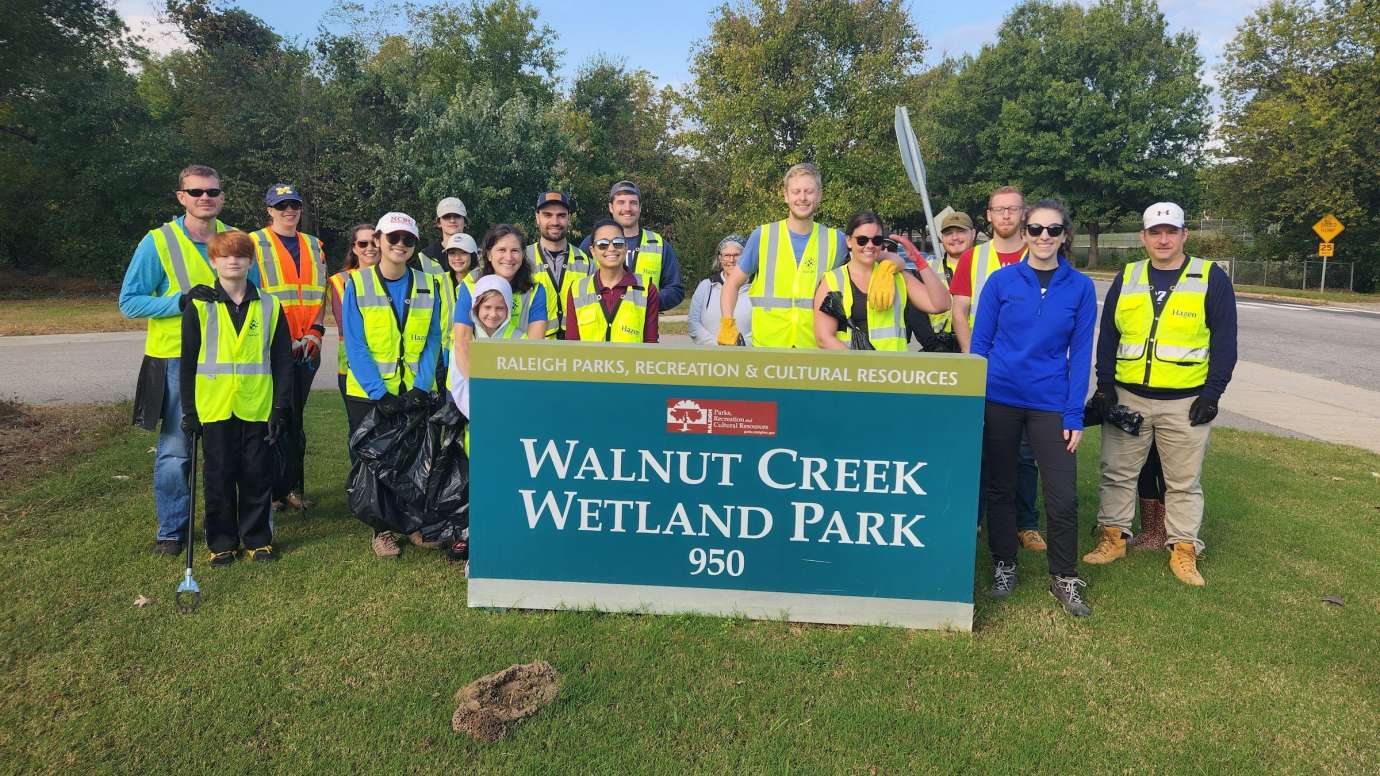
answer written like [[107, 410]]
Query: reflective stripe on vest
[[338, 281], [184, 267], [629, 319], [1168, 349], [577, 265], [300, 286], [397, 354], [447, 293], [943, 323], [886, 329], [647, 258], [783, 291], [233, 375], [985, 262]]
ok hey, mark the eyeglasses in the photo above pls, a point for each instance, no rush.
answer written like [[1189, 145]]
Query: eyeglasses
[[401, 237], [1009, 210], [289, 204], [364, 243], [1054, 230], [603, 245], [198, 193], [876, 240]]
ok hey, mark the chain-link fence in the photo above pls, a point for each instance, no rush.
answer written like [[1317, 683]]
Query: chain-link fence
[[1303, 274]]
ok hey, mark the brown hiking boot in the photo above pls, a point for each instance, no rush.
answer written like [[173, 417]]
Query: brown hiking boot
[[1031, 540], [1183, 561], [417, 541], [386, 545], [1151, 536], [1110, 546], [298, 501]]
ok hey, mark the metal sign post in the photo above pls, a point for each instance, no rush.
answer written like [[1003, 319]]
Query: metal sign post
[[1327, 227]]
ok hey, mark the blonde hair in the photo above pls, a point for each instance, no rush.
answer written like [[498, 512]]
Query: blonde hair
[[804, 168], [479, 300]]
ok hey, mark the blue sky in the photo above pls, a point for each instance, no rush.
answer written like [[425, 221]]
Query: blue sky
[[612, 27]]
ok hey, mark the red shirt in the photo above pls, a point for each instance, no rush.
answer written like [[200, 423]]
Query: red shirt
[[962, 283], [610, 297]]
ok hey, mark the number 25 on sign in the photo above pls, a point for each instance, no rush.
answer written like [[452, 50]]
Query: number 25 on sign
[[1325, 249]]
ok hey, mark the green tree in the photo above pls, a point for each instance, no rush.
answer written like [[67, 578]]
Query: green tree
[[1101, 106], [1300, 84]]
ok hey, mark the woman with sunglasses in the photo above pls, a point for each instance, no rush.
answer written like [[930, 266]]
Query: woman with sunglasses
[[868, 244], [391, 316], [363, 251], [1035, 328], [611, 305]]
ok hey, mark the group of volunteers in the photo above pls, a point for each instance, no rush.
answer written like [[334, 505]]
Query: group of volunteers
[[236, 370]]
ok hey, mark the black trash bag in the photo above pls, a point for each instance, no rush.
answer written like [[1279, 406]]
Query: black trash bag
[[383, 490], [288, 451], [832, 306], [375, 504], [448, 496]]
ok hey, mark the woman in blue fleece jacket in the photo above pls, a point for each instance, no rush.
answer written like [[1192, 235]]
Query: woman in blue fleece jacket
[[1035, 328]]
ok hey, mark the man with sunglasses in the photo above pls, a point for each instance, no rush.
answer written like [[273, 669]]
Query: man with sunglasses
[[556, 264], [1166, 349], [167, 265], [293, 267], [649, 256]]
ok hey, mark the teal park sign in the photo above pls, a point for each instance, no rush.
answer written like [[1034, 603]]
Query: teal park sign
[[815, 486]]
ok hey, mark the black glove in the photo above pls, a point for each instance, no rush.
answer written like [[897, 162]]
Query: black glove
[[191, 424], [277, 421], [1103, 400], [390, 405], [202, 293], [1202, 411], [416, 399]]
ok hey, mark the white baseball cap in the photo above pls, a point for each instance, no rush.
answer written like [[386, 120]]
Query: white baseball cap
[[397, 222], [451, 205], [462, 241], [1164, 213]]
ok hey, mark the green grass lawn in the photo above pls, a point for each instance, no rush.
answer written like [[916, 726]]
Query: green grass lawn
[[331, 661]]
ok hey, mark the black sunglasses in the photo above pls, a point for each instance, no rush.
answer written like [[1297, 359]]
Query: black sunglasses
[[363, 243], [288, 204], [401, 237], [1054, 230], [196, 193], [876, 240], [603, 245]]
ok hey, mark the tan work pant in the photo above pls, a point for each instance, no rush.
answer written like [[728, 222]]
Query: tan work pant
[[1182, 448]]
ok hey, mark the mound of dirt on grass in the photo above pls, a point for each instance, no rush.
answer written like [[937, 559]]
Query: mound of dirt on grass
[[489, 704]]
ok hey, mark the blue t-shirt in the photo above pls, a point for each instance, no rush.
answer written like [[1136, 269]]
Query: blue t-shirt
[[535, 311], [749, 260], [293, 245], [362, 363]]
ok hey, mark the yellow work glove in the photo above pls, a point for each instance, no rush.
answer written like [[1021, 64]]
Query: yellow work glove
[[728, 331], [881, 292]]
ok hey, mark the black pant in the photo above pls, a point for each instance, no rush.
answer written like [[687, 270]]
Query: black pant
[[1151, 482], [1001, 443], [292, 477], [238, 477]]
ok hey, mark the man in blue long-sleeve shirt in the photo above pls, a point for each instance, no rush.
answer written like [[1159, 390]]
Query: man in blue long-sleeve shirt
[[1167, 349], [650, 257], [168, 263]]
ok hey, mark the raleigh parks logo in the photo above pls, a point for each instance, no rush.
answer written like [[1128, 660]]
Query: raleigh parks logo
[[737, 418]]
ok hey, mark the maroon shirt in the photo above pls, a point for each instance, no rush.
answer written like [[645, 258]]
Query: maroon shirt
[[610, 297]]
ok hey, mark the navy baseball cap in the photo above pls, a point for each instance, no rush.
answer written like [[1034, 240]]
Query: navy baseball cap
[[552, 198], [624, 187], [281, 192]]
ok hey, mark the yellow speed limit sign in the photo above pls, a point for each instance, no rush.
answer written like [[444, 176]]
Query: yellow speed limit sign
[[1327, 228], [1325, 249]]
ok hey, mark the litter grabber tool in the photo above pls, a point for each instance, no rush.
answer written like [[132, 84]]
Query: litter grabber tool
[[915, 170], [189, 593]]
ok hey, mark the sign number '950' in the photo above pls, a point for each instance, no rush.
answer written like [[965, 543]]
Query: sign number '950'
[[716, 562]]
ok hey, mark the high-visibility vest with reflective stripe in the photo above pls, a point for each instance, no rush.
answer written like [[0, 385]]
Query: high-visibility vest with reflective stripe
[[519, 318], [577, 265], [629, 319], [985, 262], [233, 374], [338, 281], [397, 354], [943, 323], [300, 289], [1168, 349], [886, 328], [184, 268], [647, 260], [441, 272], [783, 291]]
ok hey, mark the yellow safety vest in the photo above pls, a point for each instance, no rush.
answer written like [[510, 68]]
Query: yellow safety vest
[[519, 318], [300, 289], [441, 272], [629, 318], [985, 262], [577, 265], [338, 281], [943, 323], [1168, 349], [782, 291], [647, 261], [886, 328], [184, 267], [397, 354], [233, 374]]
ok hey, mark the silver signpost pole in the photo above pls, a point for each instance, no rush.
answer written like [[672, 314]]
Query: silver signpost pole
[[915, 170]]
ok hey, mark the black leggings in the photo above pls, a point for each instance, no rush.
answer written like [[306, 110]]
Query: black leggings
[[1151, 483], [1001, 443]]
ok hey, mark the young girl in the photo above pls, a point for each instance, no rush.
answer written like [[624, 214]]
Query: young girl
[[491, 313], [502, 257]]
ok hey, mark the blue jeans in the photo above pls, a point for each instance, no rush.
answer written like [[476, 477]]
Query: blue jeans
[[1027, 484], [172, 465]]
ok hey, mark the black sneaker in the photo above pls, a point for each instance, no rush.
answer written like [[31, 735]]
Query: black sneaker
[[459, 551], [1003, 579], [167, 547], [222, 559], [1065, 591], [262, 554]]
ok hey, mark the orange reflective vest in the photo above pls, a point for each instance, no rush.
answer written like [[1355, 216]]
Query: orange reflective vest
[[300, 289]]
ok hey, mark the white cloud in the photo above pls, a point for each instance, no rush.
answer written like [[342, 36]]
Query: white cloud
[[147, 25]]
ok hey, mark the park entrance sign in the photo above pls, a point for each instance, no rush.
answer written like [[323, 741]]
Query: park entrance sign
[[816, 486]]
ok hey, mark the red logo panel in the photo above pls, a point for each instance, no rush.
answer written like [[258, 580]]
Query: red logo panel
[[735, 418]]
